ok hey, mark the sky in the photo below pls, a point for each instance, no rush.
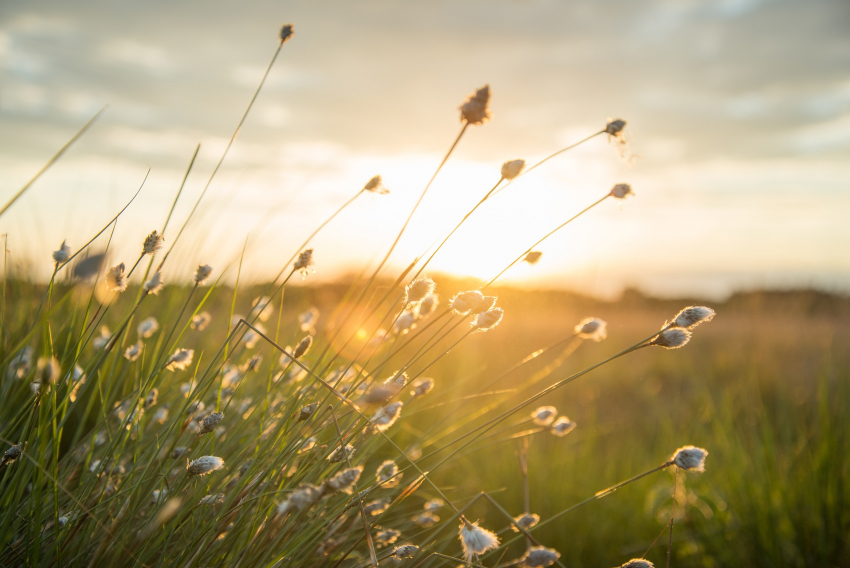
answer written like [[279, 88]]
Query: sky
[[738, 136]]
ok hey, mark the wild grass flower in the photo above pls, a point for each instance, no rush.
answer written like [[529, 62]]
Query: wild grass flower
[[251, 337], [690, 458], [303, 347], [147, 327], [116, 280], [100, 341], [212, 499], [387, 474], [404, 551], [286, 32], [375, 185], [152, 397], [475, 110], [406, 321], [386, 537], [672, 338], [638, 563], [153, 243], [209, 422], [539, 557], [47, 370], [421, 387], [307, 411], [621, 191], [261, 309], [428, 304], [419, 289], [691, 317], [345, 480], [181, 359], [300, 499], [525, 521], [13, 453], [154, 283], [78, 379], [476, 540], [307, 320], [562, 426], [132, 352], [386, 416], [195, 407], [533, 257], [544, 415], [434, 504], [426, 519], [21, 363], [486, 321], [62, 254], [201, 321], [341, 453], [204, 465], [304, 262], [202, 273], [512, 169], [472, 302], [592, 328]]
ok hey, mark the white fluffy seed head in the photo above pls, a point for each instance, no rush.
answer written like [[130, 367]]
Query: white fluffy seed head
[[201, 321], [304, 262], [181, 359], [307, 320], [209, 422], [476, 540], [544, 415], [147, 327], [562, 426], [341, 453], [386, 416], [132, 352], [404, 551], [475, 110], [428, 304], [154, 283], [422, 387], [345, 480], [376, 507], [302, 498], [303, 347], [406, 321], [467, 302], [151, 398], [204, 465], [672, 338], [512, 169], [592, 328], [47, 370], [116, 280], [434, 504], [153, 243], [621, 191], [63, 254], [539, 557], [386, 537], [307, 411], [525, 521], [488, 320], [202, 273], [426, 519], [375, 185], [638, 563], [690, 458], [419, 289], [692, 316], [387, 474]]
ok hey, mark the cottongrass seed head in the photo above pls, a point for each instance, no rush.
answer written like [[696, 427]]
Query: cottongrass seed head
[[475, 110], [592, 328], [692, 316], [153, 243], [467, 302], [386, 537], [341, 453], [539, 557], [147, 327], [132, 352], [209, 422], [154, 283], [421, 387], [375, 185], [690, 458], [512, 169], [404, 551], [525, 521], [476, 540], [204, 465], [304, 262], [63, 254], [201, 321], [307, 411], [621, 191], [302, 498], [345, 480], [303, 347], [202, 273], [672, 338], [419, 289], [116, 280], [387, 474], [488, 320], [562, 426], [386, 416], [638, 563], [181, 359], [544, 415]]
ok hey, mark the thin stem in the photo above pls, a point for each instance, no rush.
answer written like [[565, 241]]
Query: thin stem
[[672, 516]]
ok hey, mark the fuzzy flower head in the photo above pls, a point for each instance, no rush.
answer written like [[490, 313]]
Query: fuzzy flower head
[[476, 540], [422, 387], [488, 320], [533, 257], [562, 426], [512, 169], [303, 347], [615, 127], [181, 359], [47, 370], [386, 537], [544, 415], [387, 474], [539, 557], [153, 243], [345, 480], [147, 327], [375, 185], [621, 191], [525, 521], [406, 321], [474, 110], [307, 320], [690, 458], [286, 32], [151, 398], [672, 338], [202, 273], [154, 283], [62, 255], [261, 308], [341, 453], [204, 465], [116, 280], [132, 353], [377, 506], [302, 498], [419, 289], [307, 411], [201, 321], [691, 317], [592, 328], [404, 551], [428, 305], [209, 422], [638, 563], [426, 519], [434, 504], [102, 338], [304, 262], [386, 416]]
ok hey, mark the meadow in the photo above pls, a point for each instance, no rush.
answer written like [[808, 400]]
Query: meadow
[[395, 419]]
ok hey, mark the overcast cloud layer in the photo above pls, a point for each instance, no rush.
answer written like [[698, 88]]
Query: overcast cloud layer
[[739, 113]]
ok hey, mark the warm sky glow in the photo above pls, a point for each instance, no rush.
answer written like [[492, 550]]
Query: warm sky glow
[[738, 112]]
